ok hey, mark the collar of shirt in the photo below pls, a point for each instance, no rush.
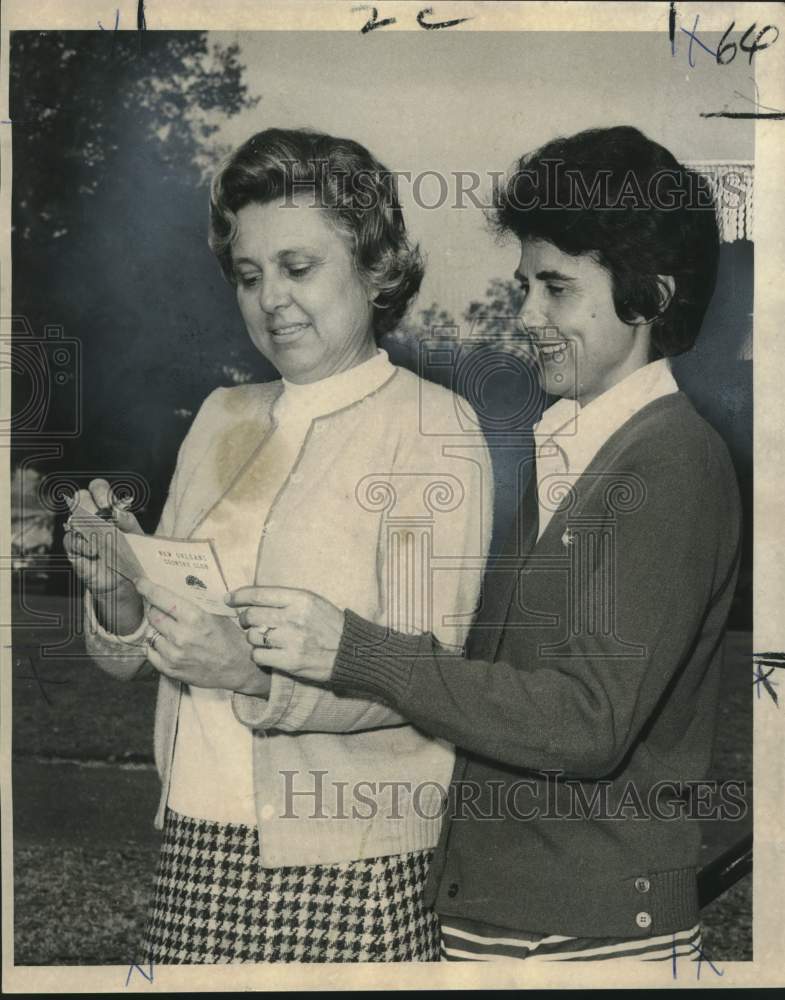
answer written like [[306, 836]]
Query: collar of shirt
[[569, 436], [316, 399]]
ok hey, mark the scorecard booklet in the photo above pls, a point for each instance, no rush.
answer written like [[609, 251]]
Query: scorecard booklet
[[189, 567]]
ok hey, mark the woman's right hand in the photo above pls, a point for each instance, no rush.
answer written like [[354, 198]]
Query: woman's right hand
[[89, 557]]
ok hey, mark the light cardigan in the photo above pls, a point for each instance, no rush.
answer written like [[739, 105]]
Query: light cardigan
[[212, 768], [383, 488]]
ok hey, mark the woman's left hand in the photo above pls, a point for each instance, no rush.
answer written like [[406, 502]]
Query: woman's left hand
[[198, 648], [290, 630]]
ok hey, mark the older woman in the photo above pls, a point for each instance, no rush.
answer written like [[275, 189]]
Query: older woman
[[298, 825]]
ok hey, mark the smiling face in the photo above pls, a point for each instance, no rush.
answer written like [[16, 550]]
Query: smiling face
[[303, 302], [584, 348]]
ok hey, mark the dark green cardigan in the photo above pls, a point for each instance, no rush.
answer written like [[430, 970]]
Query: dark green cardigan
[[595, 657]]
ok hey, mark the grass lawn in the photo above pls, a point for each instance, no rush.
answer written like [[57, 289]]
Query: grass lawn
[[84, 849], [79, 906]]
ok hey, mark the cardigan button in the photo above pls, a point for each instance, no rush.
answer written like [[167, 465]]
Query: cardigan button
[[642, 884], [643, 919], [452, 892]]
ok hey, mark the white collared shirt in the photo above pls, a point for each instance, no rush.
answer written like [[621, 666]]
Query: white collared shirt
[[569, 435]]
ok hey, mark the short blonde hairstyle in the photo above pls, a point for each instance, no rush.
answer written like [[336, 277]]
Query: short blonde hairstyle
[[357, 191]]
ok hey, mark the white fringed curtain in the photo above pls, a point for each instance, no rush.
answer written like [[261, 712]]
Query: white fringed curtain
[[731, 183]]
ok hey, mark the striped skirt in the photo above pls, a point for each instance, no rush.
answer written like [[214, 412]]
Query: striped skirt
[[215, 903], [468, 941]]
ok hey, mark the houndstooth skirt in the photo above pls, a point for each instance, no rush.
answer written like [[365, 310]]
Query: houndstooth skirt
[[215, 903]]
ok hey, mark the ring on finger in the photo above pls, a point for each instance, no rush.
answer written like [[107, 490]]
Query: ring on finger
[[152, 637], [265, 633]]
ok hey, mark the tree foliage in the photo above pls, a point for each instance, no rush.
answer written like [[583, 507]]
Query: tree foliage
[[497, 313], [87, 104], [114, 137]]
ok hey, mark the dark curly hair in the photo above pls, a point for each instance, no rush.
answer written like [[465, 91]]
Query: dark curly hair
[[357, 191], [617, 195]]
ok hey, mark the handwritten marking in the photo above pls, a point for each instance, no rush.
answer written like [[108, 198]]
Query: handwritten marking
[[755, 102], [435, 25], [727, 50], [767, 111], [762, 680], [764, 115], [702, 957], [750, 49], [116, 21], [149, 977], [373, 21], [694, 38]]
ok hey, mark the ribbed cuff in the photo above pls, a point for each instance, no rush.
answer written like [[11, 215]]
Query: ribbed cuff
[[674, 900], [94, 627], [373, 661], [259, 712]]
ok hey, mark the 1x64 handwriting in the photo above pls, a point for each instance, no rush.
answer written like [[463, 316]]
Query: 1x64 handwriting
[[727, 50]]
